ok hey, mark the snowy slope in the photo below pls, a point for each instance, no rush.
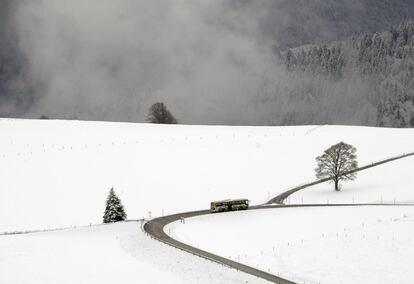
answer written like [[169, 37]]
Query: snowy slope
[[58, 173], [367, 245], [117, 253], [388, 183]]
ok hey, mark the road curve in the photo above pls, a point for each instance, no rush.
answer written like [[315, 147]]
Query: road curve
[[155, 228], [281, 197]]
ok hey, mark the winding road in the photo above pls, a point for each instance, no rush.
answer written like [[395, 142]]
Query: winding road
[[281, 197], [155, 227]]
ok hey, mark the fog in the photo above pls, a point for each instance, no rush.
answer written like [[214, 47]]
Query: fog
[[111, 59], [210, 62]]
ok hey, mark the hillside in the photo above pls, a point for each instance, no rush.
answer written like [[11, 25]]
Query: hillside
[[294, 23], [361, 245], [115, 253], [387, 183], [58, 173], [369, 75]]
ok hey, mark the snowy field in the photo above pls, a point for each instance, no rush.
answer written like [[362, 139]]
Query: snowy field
[[312, 245], [58, 173], [117, 253], [387, 183]]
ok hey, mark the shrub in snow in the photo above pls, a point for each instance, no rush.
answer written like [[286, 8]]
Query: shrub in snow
[[337, 163], [114, 210]]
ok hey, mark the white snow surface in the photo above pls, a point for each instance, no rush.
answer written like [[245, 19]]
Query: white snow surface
[[387, 183], [368, 244], [116, 253], [58, 173]]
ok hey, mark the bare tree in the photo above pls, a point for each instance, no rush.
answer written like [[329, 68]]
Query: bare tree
[[337, 163], [158, 113]]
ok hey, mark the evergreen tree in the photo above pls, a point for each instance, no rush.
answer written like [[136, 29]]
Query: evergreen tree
[[370, 75], [114, 210]]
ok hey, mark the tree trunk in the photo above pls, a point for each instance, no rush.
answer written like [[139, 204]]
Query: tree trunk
[[336, 180]]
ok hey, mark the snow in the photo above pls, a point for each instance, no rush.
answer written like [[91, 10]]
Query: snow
[[58, 173], [115, 253], [368, 244], [388, 183]]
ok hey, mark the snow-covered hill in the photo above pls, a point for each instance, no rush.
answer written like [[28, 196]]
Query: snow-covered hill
[[388, 183], [368, 244], [58, 173], [116, 253]]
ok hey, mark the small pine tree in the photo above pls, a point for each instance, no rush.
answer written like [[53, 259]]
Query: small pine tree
[[114, 210]]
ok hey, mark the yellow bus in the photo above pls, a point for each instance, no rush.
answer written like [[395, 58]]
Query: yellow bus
[[229, 205]]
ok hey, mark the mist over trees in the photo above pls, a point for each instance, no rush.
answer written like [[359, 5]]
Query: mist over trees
[[16, 96], [278, 62], [368, 74], [316, 22]]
